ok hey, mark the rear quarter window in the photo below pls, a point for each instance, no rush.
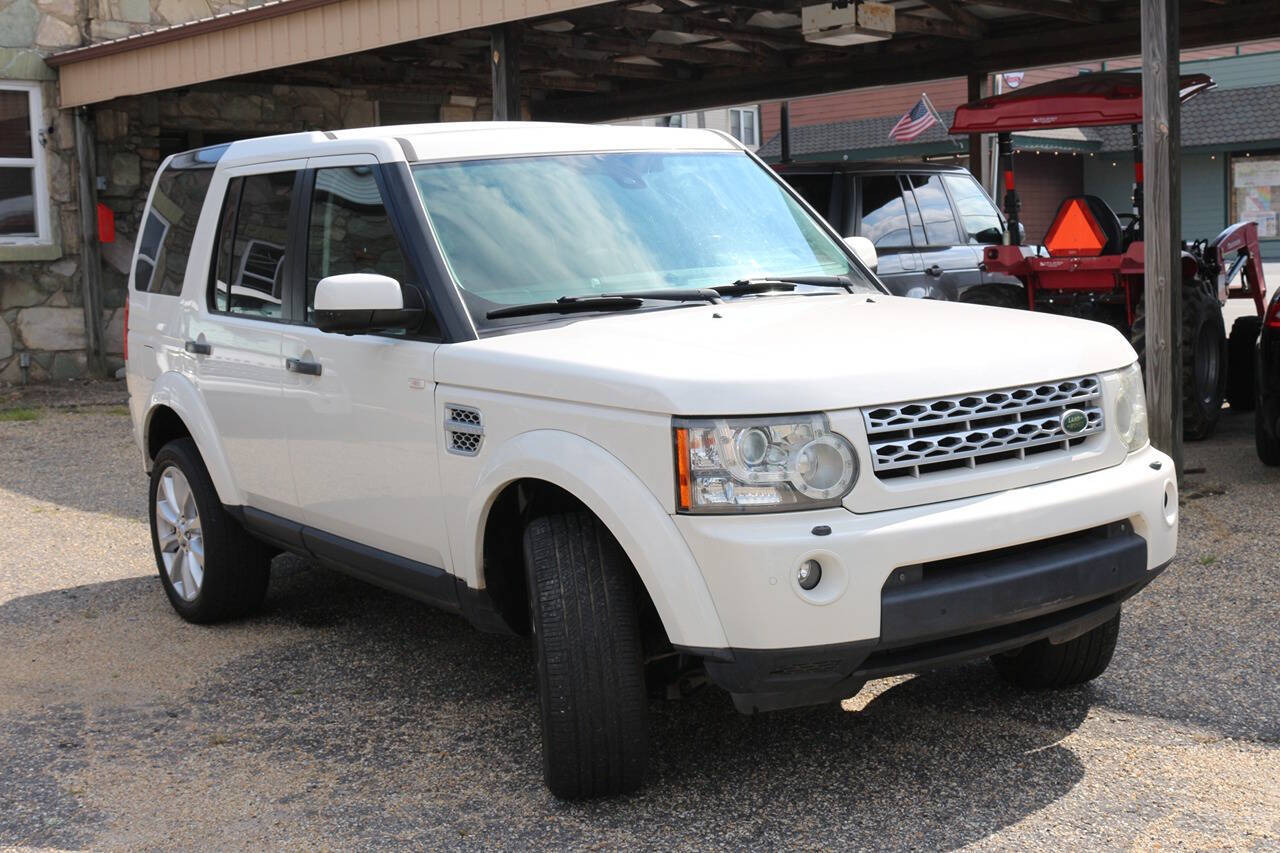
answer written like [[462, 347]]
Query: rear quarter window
[[169, 226]]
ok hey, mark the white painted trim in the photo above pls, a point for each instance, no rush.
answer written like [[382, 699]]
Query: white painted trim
[[36, 162]]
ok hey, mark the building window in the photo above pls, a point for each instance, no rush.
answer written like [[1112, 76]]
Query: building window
[[1255, 192], [676, 120], [744, 124], [24, 206]]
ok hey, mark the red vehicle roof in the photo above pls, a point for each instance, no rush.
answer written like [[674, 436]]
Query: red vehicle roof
[[1109, 97]]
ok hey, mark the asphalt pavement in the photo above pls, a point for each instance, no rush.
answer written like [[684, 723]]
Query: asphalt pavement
[[343, 716]]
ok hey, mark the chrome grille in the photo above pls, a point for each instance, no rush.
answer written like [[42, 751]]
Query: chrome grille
[[465, 430], [920, 437]]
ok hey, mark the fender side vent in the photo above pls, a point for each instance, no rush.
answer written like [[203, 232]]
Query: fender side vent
[[464, 430]]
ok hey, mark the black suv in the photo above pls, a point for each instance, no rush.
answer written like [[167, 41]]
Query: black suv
[[928, 223]]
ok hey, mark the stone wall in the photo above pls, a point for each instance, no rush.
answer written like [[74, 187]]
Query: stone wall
[[40, 287]]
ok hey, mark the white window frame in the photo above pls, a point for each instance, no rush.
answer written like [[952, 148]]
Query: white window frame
[[754, 142], [36, 162]]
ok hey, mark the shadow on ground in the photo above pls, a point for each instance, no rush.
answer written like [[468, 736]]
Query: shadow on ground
[[380, 721]]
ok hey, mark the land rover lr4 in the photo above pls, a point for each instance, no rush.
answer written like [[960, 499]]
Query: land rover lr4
[[621, 389]]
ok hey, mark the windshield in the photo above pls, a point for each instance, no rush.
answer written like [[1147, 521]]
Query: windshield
[[532, 229]]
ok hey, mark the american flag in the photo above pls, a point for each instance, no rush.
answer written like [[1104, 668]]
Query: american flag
[[917, 121]]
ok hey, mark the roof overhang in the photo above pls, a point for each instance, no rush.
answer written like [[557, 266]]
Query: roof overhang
[[273, 35]]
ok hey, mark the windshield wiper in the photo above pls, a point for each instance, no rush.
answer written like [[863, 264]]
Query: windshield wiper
[[744, 286], [603, 302]]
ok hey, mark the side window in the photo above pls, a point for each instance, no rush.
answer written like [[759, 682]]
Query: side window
[[815, 189], [982, 222], [350, 232], [169, 229], [249, 274], [935, 210], [884, 216]]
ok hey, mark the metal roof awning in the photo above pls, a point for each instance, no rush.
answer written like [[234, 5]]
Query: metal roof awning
[[595, 60], [273, 35]]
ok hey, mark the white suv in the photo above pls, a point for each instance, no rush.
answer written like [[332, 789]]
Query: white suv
[[621, 388]]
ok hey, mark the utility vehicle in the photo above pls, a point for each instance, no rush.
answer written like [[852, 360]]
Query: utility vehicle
[[623, 390]]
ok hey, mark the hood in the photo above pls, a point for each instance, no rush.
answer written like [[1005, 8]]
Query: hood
[[781, 354]]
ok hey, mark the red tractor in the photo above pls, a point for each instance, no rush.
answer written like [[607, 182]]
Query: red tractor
[[1091, 261]]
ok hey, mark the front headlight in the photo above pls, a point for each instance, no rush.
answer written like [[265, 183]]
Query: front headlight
[[1131, 407], [791, 462]]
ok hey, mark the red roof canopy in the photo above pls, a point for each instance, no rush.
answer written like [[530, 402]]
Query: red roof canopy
[[1109, 97]]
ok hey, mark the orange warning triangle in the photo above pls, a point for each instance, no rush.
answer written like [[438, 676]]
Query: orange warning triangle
[[1075, 231]]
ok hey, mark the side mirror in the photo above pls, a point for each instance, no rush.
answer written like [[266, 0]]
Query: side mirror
[[357, 303], [865, 250]]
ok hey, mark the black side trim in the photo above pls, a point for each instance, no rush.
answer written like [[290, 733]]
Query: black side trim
[[417, 580]]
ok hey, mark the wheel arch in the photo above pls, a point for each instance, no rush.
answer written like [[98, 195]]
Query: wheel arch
[[176, 408], [538, 461]]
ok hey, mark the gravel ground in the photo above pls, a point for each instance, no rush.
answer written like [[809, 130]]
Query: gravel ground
[[343, 716]]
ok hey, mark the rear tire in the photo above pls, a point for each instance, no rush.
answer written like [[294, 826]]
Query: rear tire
[[1042, 665], [210, 567], [1242, 360], [1204, 358], [997, 295], [586, 631]]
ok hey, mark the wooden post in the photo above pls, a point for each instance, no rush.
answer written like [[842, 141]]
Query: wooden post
[[1163, 232], [504, 42], [784, 131], [90, 252], [977, 142]]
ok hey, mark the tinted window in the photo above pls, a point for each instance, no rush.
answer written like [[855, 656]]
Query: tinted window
[[170, 228], [982, 223], [249, 277], [815, 189], [935, 210], [350, 231], [884, 216]]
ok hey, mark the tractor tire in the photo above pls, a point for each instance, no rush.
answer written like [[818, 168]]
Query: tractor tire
[[1045, 666], [1204, 358], [1242, 359], [586, 632], [997, 295]]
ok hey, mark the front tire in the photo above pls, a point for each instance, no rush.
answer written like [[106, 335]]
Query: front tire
[[1043, 665], [210, 567], [586, 631]]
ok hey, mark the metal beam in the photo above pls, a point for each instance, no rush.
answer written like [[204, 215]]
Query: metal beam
[[1162, 208], [504, 62]]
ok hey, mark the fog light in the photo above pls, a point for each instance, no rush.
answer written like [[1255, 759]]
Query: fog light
[[809, 573]]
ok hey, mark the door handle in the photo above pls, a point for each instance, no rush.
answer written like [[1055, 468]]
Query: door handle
[[297, 365], [934, 270], [197, 348]]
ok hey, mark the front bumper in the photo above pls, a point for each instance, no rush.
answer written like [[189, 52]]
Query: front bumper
[[905, 589]]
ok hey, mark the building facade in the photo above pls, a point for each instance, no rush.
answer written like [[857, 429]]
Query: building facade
[[45, 327], [1230, 136]]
